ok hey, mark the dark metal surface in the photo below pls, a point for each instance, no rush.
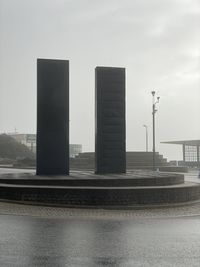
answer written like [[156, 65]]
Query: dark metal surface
[[110, 144], [52, 116]]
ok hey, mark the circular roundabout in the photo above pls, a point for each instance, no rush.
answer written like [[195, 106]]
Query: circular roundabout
[[86, 189]]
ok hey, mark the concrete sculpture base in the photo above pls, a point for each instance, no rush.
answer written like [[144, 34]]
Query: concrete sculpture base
[[87, 189]]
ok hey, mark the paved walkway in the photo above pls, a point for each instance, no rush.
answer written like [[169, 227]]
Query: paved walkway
[[57, 212]]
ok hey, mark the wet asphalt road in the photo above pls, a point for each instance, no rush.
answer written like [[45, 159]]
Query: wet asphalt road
[[99, 241], [32, 241]]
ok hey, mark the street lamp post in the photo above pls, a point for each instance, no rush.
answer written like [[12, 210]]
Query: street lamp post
[[146, 128], [153, 114]]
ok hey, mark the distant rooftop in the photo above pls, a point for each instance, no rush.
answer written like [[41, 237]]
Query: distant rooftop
[[184, 142]]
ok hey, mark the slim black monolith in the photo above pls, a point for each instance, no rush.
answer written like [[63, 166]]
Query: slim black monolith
[[110, 132], [52, 117]]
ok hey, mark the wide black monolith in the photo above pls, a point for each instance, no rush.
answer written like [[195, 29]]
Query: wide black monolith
[[52, 117], [110, 132]]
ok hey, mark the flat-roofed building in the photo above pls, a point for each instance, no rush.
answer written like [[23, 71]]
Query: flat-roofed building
[[191, 152], [74, 150], [29, 140]]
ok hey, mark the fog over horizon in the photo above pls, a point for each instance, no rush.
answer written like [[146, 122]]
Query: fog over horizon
[[157, 41]]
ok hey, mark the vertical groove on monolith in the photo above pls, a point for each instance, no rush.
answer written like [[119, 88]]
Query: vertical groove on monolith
[[52, 117]]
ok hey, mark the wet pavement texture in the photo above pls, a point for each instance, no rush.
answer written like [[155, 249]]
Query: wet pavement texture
[[32, 241], [49, 236]]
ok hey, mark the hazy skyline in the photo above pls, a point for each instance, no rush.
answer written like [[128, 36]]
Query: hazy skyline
[[157, 41]]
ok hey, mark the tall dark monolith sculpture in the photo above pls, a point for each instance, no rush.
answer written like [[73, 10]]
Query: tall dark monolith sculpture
[[52, 117], [110, 133]]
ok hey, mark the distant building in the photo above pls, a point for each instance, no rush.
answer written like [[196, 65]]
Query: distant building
[[74, 150], [191, 152], [29, 140]]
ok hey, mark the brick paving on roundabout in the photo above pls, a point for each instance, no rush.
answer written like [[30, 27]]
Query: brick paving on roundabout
[[162, 211], [57, 212]]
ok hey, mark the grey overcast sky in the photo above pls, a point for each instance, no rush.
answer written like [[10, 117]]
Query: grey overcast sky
[[157, 41]]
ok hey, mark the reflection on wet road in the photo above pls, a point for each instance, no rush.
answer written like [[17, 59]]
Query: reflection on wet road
[[32, 241], [97, 241]]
